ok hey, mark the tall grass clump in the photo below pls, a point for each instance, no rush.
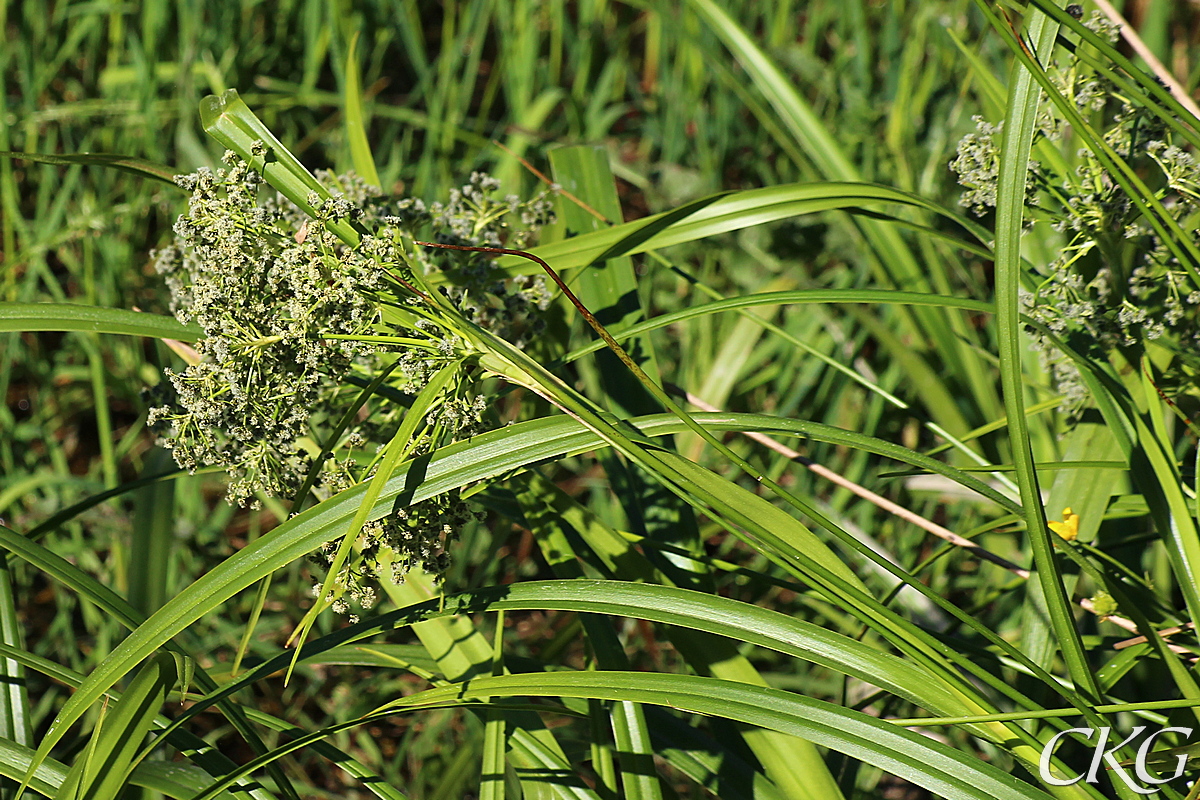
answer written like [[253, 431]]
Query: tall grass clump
[[459, 469]]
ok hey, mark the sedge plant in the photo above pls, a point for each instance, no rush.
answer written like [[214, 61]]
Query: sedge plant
[[394, 380]]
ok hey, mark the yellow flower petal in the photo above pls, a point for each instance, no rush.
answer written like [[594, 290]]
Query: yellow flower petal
[[1068, 529]]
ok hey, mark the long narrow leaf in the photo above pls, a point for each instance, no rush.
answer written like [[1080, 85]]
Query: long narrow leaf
[[939, 768], [73, 317], [1022, 112], [100, 773], [356, 119], [484, 456], [231, 122], [725, 212], [136, 166]]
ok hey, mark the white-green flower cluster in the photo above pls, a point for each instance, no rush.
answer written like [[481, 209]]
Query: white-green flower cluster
[[977, 165], [293, 316], [475, 216], [268, 299], [414, 536], [1116, 282]]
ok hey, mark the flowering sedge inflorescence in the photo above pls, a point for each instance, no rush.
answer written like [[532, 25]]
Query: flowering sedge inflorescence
[[285, 306], [1115, 280]]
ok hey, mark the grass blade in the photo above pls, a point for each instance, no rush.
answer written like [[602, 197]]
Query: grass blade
[[101, 772], [1022, 111], [73, 317], [153, 537], [488, 455], [136, 166], [491, 781], [932, 765], [722, 213], [356, 119], [231, 122], [15, 723]]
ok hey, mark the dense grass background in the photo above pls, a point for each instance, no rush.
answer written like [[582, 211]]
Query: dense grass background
[[680, 108]]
